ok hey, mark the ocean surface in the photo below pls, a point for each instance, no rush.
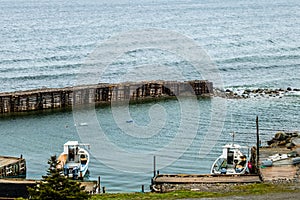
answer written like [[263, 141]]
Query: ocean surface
[[252, 44]]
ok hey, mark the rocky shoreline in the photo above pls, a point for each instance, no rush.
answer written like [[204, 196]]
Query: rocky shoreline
[[289, 139], [256, 93]]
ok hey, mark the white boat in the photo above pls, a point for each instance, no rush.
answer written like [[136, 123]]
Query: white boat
[[232, 161], [74, 160]]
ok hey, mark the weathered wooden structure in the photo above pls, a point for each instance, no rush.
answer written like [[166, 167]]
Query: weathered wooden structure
[[171, 182], [16, 188], [46, 98], [204, 178], [12, 167]]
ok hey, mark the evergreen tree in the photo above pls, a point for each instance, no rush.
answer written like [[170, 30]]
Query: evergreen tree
[[55, 186]]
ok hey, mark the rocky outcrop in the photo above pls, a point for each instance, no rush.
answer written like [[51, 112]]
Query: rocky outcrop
[[255, 93], [290, 140]]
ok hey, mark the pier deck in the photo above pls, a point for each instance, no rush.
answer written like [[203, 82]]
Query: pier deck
[[6, 160], [199, 182], [14, 188], [204, 178], [12, 167]]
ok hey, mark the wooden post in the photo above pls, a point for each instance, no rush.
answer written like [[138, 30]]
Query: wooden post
[[1, 105], [99, 185], [154, 166], [27, 103], [52, 100], [143, 189], [257, 143], [12, 104], [103, 190]]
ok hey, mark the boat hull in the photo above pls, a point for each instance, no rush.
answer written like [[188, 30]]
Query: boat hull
[[232, 161]]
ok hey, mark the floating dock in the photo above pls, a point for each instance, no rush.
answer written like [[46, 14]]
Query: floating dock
[[12, 167], [46, 98]]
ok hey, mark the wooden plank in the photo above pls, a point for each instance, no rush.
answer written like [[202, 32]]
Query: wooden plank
[[6, 160], [278, 172], [181, 179]]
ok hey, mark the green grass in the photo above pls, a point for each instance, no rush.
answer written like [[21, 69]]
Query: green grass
[[250, 189], [149, 195]]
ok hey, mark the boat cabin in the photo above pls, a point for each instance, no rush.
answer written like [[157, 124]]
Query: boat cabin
[[233, 154], [71, 149]]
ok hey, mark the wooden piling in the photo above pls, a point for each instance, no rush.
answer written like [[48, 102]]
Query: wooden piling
[[154, 166], [99, 184], [143, 188], [257, 144]]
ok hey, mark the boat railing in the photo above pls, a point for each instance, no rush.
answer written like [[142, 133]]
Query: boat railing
[[85, 145]]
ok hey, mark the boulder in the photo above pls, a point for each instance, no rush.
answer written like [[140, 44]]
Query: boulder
[[295, 134], [282, 143], [280, 136], [296, 141], [289, 145], [271, 142], [247, 91]]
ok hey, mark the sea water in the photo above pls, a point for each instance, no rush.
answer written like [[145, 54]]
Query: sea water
[[46, 44]]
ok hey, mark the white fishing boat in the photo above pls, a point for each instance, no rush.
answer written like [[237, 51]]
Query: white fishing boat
[[74, 160], [232, 161]]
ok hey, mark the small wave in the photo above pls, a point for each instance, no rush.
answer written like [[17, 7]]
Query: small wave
[[42, 77], [55, 58], [258, 59], [42, 68], [7, 62], [73, 47]]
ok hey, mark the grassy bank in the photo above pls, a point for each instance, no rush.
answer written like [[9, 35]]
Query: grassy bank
[[241, 190]]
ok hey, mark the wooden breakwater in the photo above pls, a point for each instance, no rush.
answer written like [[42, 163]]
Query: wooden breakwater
[[46, 98]]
